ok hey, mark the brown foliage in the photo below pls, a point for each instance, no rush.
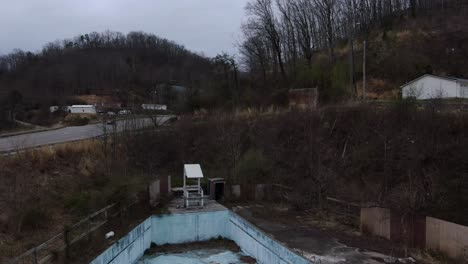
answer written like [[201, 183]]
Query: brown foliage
[[399, 156]]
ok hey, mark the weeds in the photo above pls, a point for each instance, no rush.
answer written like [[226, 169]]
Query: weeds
[[400, 157], [76, 120], [35, 218]]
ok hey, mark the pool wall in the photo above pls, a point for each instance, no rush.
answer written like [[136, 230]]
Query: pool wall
[[198, 226], [258, 245], [129, 248], [189, 227]]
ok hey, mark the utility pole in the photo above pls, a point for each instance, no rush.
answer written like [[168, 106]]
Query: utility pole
[[352, 30], [364, 71], [351, 63]]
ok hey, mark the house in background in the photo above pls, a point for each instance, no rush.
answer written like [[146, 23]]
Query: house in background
[[154, 107], [431, 86], [82, 109]]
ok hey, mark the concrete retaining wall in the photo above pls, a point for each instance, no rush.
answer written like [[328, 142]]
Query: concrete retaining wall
[[376, 221], [154, 190], [447, 237], [191, 227]]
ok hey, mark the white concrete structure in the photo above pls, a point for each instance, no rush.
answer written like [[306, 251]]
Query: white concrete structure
[[431, 86], [193, 193], [195, 227], [154, 107], [82, 109]]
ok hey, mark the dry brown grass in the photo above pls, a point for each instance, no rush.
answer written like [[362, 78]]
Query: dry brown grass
[[90, 116], [42, 156], [83, 147], [250, 112], [244, 112], [44, 178], [61, 184]]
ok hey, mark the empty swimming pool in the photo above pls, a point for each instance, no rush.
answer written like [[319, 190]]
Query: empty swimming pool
[[195, 227]]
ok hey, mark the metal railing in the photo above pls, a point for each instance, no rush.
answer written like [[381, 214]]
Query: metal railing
[[48, 251], [199, 196]]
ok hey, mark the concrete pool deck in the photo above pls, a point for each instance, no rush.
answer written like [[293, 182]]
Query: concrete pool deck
[[314, 244], [266, 239], [176, 206]]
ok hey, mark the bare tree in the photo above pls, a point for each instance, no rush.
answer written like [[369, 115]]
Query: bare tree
[[306, 27], [264, 21], [326, 15]]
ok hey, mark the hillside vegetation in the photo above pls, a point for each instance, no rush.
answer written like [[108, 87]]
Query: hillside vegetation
[[400, 157], [45, 190], [286, 44], [319, 43], [102, 63], [435, 44]]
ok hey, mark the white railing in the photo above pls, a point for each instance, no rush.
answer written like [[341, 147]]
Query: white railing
[[201, 197], [186, 198]]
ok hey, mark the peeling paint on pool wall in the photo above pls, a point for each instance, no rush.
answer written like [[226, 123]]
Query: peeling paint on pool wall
[[129, 248], [218, 256], [189, 227], [198, 226]]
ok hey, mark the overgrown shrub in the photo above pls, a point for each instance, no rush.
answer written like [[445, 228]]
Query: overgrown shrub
[[400, 156], [76, 120], [35, 218], [253, 167], [79, 202]]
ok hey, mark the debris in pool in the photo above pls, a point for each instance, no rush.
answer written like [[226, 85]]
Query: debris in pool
[[209, 256]]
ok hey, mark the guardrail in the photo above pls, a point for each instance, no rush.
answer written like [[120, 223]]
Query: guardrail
[[135, 132]]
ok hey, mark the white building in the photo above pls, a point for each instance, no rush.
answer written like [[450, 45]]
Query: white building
[[82, 109], [430, 86], [154, 107]]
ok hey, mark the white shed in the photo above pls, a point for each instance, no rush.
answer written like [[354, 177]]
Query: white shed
[[82, 109], [430, 86]]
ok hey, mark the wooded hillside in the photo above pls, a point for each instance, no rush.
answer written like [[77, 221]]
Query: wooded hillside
[[102, 63], [319, 43], [285, 44]]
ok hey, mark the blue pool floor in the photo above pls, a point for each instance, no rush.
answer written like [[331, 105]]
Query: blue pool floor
[[208, 256]]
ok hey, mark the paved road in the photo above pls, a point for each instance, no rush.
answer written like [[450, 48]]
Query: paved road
[[67, 134]]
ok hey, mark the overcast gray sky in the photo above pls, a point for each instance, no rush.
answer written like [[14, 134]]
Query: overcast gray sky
[[208, 26]]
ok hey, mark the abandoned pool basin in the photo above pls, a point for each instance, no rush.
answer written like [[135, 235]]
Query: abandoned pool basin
[[196, 226]]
